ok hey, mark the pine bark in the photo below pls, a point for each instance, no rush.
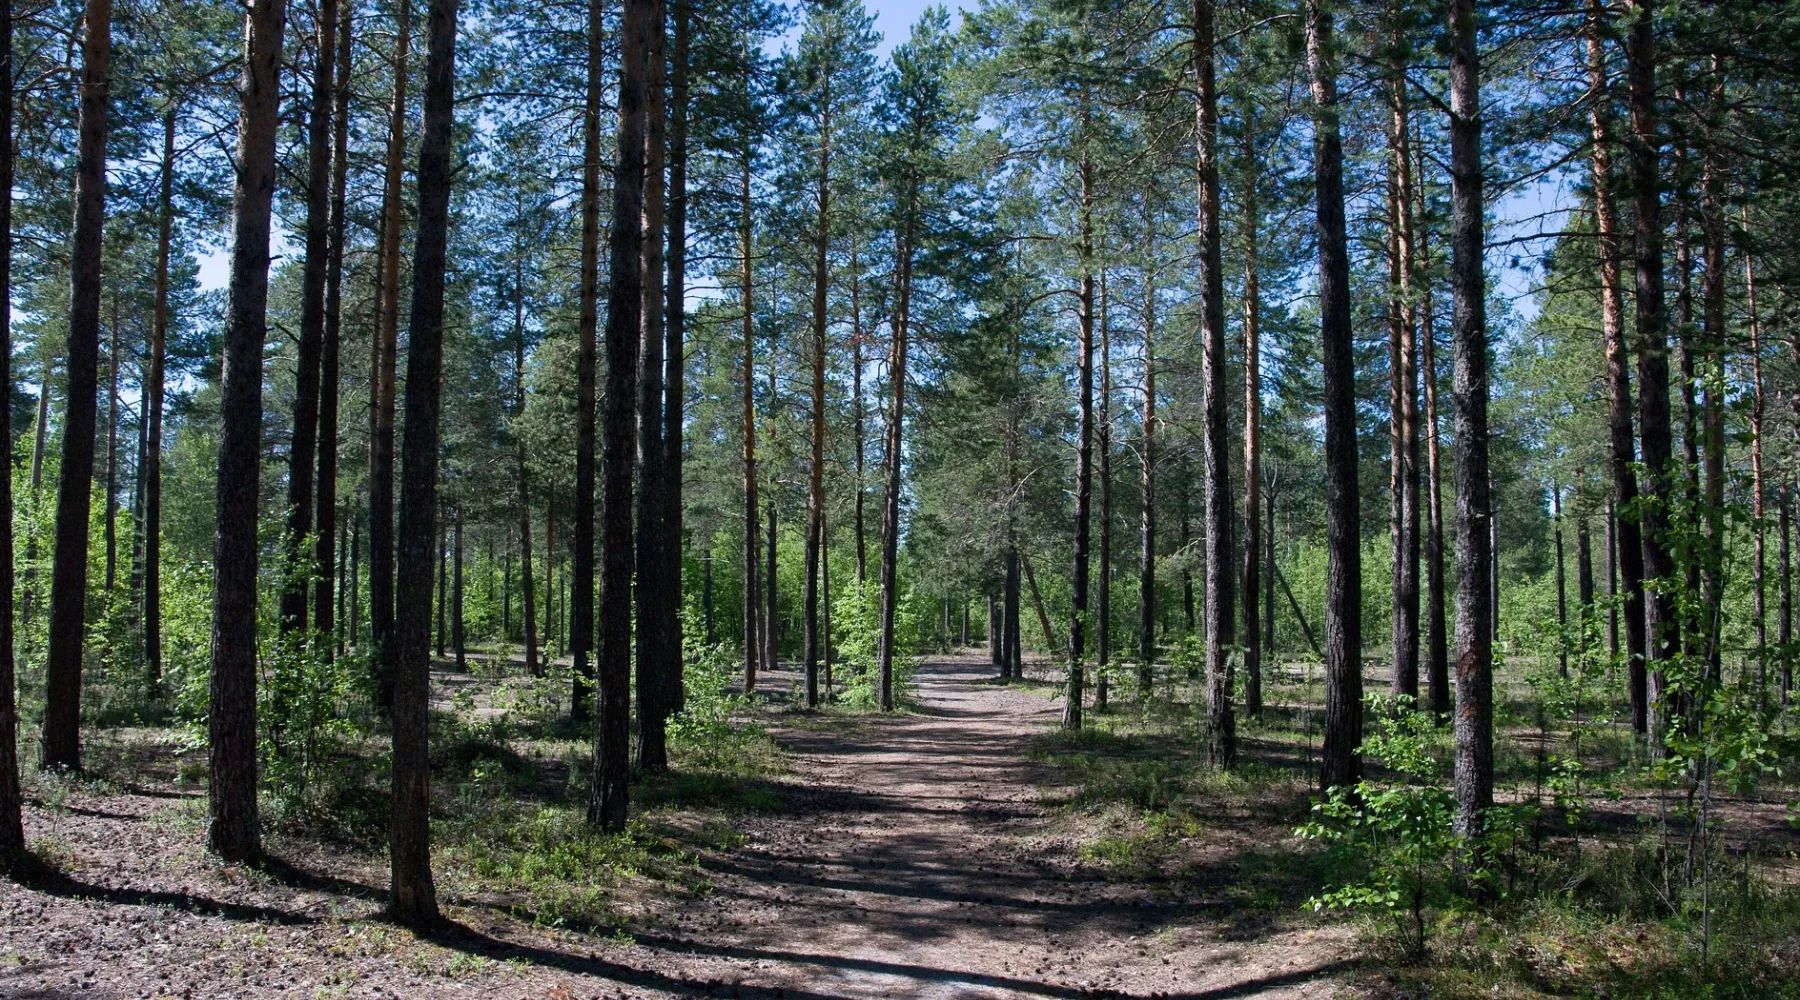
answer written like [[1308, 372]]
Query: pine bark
[[1253, 506], [1084, 456], [326, 549], [815, 481], [309, 350], [1474, 757], [155, 356], [1403, 417], [385, 353], [657, 628], [624, 326], [1340, 762], [1221, 615], [752, 593], [527, 580], [1103, 600], [1661, 627], [234, 832], [890, 503], [68, 579], [412, 900], [1146, 674], [580, 618], [12, 795], [1626, 539], [675, 356]]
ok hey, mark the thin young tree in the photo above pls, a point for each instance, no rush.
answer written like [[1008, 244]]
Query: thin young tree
[[1474, 765], [234, 832], [412, 899], [12, 795], [69, 571], [1341, 764]]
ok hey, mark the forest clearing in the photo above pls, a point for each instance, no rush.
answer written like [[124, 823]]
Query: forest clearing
[[836, 499]]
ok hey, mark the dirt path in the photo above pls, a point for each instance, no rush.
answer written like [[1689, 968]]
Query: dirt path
[[919, 862], [913, 856]]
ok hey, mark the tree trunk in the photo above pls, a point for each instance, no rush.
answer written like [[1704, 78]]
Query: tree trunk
[[1474, 508], [1103, 612], [859, 430], [412, 900], [1084, 454], [1221, 616], [1340, 764], [890, 504], [1660, 624], [331, 350], [624, 325], [771, 607], [311, 345], [1625, 541], [657, 627], [151, 404], [1562, 601], [1011, 657], [815, 481], [580, 618], [675, 364], [1786, 633], [456, 597], [382, 399], [112, 451], [12, 794], [68, 581], [1758, 513], [443, 584], [550, 591], [1437, 653], [1712, 216], [1584, 580], [231, 719], [1253, 507], [1403, 422], [528, 583], [1146, 676], [752, 595]]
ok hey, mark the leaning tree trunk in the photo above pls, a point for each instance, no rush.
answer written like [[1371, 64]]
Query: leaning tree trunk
[[624, 322], [580, 618], [382, 399], [1221, 616], [1661, 625], [327, 503], [1474, 638], [657, 629], [231, 717], [1340, 763], [1626, 539], [68, 581], [412, 900], [311, 345], [12, 796]]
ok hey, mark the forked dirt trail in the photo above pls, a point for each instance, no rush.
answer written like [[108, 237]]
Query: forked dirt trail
[[912, 855], [919, 861]]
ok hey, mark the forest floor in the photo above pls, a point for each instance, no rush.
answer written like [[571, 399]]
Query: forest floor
[[929, 853]]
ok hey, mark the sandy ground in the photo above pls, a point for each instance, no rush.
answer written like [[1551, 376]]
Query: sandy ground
[[913, 857]]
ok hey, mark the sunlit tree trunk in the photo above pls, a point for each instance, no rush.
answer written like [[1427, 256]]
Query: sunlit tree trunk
[[1253, 505], [12, 795], [151, 403], [815, 482], [657, 630], [1403, 434], [1474, 757], [674, 358], [1084, 456], [527, 579], [382, 399]]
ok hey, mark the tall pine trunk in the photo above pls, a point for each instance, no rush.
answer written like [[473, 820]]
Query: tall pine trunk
[[1626, 539], [1146, 675], [1340, 763], [675, 358], [1437, 652], [1661, 627], [1403, 417], [326, 503], [752, 594], [1221, 615], [890, 502], [385, 354], [151, 403], [527, 582], [412, 900], [1474, 509], [580, 618], [815, 480], [1253, 506], [311, 345], [1084, 454], [657, 628], [12, 796], [68, 580], [1103, 600], [231, 718], [624, 326]]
